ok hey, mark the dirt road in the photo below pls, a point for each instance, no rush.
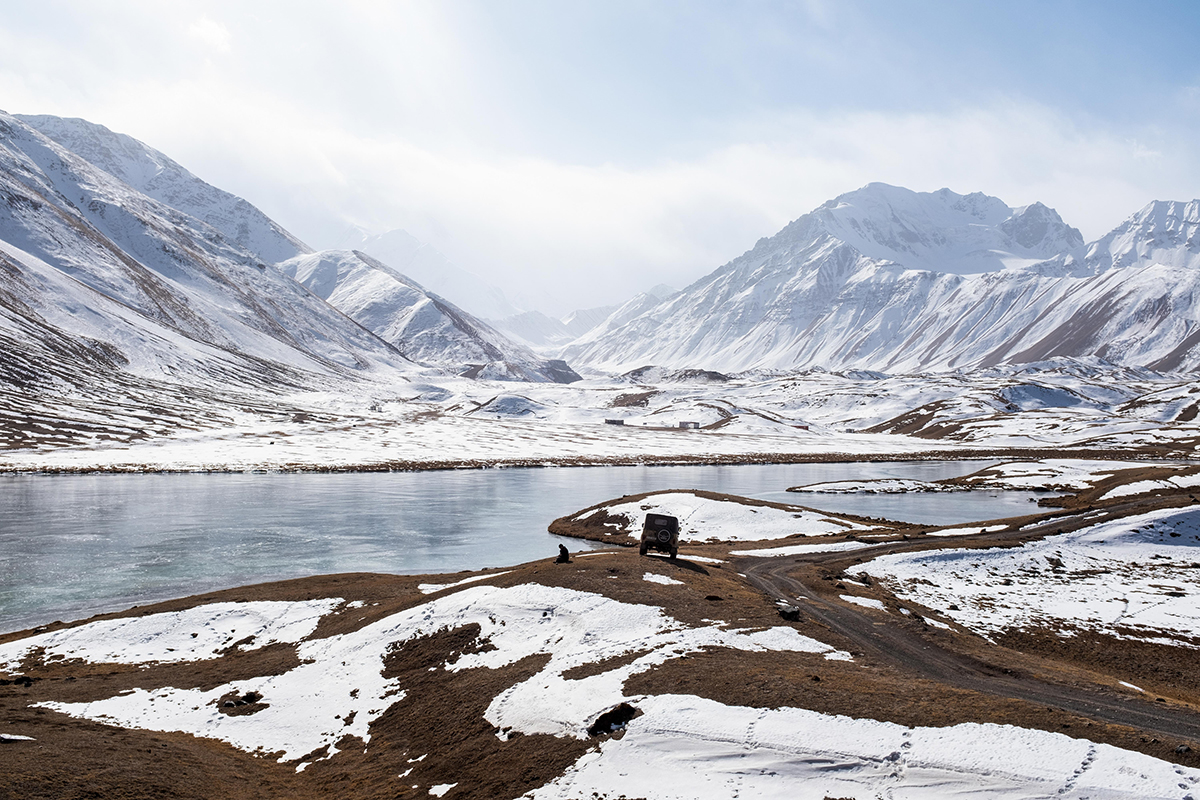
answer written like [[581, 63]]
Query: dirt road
[[961, 661]]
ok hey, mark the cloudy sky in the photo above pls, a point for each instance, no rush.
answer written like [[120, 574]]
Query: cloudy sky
[[582, 151]]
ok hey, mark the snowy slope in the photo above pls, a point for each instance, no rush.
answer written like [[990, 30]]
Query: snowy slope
[[408, 255], [533, 328], [549, 334], [616, 318], [888, 279], [421, 325], [1163, 232], [586, 649], [169, 267], [155, 175], [122, 318]]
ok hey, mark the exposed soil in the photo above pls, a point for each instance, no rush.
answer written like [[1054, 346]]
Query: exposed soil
[[904, 671]]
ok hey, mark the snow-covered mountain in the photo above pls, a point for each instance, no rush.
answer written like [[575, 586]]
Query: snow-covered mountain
[[421, 325], [122, 317], [582, 320], [541, 331], [152, 260], [155, 175], [939, 231], [631, 309], [1163, 232], [122, 267], [888, 279], [534, 329], [421, 262]]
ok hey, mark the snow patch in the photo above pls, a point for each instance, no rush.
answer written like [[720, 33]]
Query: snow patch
[[685, 747], [801, 549], [200, 633], [430, 588], [1131, 577], [702, 519], [865, 602], [662, 579]]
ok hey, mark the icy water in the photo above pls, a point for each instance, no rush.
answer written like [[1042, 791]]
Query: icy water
[[72, 546]]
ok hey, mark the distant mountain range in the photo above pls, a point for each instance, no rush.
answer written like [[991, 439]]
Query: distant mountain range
[[122, 275], [421, 325], [887, 279]]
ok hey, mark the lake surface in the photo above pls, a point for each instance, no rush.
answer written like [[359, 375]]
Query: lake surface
[[73, 546]]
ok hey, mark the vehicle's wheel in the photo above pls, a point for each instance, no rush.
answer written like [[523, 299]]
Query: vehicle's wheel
[[642, 549], [673, 554]]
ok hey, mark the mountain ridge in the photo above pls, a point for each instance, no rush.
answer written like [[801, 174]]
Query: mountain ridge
[[1025, 287], [423, 326]]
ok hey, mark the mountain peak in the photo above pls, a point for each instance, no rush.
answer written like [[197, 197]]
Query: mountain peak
[[1163, 232], [886, 278], [944, 231]]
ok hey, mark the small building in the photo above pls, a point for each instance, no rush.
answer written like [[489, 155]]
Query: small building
[[614, 422], [690, 426]]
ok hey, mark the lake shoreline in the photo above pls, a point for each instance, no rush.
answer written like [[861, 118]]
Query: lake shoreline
[[1022, 454]]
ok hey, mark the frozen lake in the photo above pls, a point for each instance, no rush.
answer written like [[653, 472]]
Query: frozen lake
[[73, 546]]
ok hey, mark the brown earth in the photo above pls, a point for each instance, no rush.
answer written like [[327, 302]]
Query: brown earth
[[904, 671]]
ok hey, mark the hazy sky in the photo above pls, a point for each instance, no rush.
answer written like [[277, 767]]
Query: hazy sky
[[598, 148]]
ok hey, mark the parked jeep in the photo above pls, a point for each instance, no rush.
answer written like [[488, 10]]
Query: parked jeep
[[661, 533]]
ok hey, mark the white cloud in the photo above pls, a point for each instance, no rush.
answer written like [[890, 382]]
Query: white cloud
[[408, 115], [211, 34]]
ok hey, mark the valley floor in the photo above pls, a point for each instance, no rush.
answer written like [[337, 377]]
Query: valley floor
[[454, 422]]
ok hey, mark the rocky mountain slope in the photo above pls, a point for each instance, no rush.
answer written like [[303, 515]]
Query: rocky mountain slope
[[888, 279], [155, 175], [121, 317], [164, 276]]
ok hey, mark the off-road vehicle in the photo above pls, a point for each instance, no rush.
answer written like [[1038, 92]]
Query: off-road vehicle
[[660, 533]]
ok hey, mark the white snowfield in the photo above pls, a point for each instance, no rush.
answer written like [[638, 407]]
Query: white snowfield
[[415, 433], [1137, 577], [702, 519], [339, 689], [684, 747], [199, 633]]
